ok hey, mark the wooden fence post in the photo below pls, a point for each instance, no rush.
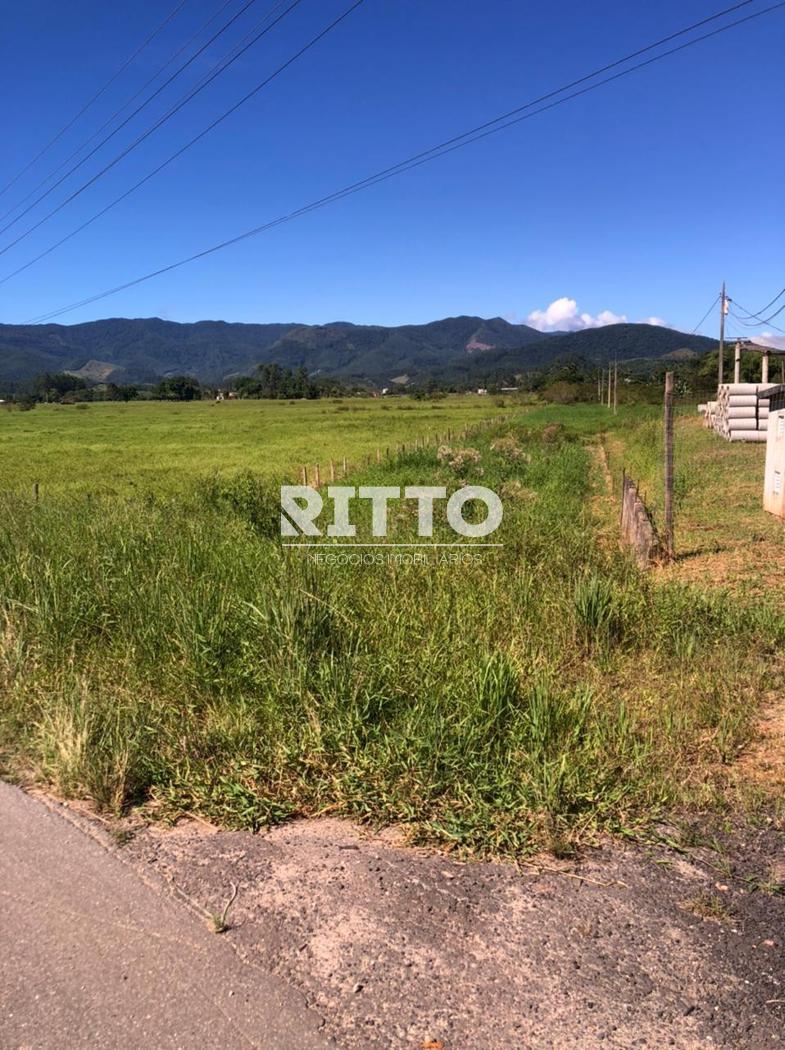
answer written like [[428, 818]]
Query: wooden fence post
[[668, 421], [316, 479], [304, 475]]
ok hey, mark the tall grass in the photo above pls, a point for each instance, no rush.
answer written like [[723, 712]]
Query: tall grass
[[170, 650]]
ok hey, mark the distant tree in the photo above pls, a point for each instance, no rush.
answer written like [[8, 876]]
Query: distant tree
[[178, 388], [121, 393], [271, 381], [425, 389], [74, 397], [563, 393], [52, 386]]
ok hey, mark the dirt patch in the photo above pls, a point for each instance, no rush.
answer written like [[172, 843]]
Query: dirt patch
[[402, 948], [763, 764], [604, 508], [751, 570], [602, 460]]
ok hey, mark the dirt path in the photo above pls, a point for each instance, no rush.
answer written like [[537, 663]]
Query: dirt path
[[398, 948]]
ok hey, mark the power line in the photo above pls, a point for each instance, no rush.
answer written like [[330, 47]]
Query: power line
[[119, 127], [255, 91], [750, 321], [734, 330], [217, 70], [95, 97], [448, 146], [759, 321], [776, 313], [480, 129], [770, 318], [581, 80], [697, 326], [506, 120], [107, 123], [768, 306]]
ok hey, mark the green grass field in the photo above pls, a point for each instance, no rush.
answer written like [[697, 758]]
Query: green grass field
[[163, 649], [159, 446]]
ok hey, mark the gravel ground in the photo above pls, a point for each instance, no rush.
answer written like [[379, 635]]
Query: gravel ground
[[400, 948]]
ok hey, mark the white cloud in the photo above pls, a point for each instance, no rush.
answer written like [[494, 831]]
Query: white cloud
[[562, 316], [776, 342], [656, 321]]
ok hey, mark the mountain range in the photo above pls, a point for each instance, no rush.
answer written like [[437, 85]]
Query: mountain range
[[146, 349]]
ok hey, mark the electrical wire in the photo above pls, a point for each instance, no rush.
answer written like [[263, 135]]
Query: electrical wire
[[768, 320], [148, 40], [205, 131], [159, 123], [697, 326], [506, 120], [768, 306], [566, 87], [759, 321], [754, 320], [110, 120], [128, 119]]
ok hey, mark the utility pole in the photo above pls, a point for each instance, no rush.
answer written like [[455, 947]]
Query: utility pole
[[723, 311], [615, 385], [668, 465], [599, 385]]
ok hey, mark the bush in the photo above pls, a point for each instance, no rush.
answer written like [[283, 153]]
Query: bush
[[254, 499]]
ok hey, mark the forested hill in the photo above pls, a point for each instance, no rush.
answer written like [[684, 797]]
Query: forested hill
[[142, 350], [621, 342]]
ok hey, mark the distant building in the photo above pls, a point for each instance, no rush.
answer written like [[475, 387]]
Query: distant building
[[481, 390]]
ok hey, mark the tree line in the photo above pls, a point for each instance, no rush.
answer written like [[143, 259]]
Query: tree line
[[565, 381], [269, 381]]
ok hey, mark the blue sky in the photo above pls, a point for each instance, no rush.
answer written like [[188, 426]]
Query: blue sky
[[636, 199]]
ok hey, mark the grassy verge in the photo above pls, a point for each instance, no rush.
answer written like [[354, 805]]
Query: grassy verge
[[167, 650], [723, 535]]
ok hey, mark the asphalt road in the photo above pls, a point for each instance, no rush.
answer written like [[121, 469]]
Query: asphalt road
[[93, 956]]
